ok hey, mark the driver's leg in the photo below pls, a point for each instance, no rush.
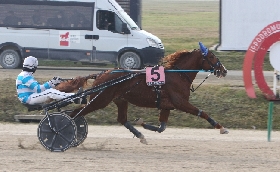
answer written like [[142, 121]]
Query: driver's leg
[[39, 98]]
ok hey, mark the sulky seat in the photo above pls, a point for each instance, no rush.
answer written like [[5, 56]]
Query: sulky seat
[[33, 107]]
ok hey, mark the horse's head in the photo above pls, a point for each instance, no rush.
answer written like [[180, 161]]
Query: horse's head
[[211, 62]]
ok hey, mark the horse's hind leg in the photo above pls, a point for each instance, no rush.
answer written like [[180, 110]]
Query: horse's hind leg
[[163, 118], [122, 118]]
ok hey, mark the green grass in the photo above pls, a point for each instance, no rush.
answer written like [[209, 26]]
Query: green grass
[[182, 24]]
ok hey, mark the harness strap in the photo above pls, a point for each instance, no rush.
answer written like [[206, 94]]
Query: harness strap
[[158, 94], [88, 104], [131, 88], [68, 100]]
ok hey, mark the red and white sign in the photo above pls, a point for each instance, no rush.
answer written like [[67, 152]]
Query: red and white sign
[[255, 56], [64, 39], [67, 38]]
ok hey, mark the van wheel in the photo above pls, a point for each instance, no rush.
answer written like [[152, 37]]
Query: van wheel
[[130, 60], [9, 59]]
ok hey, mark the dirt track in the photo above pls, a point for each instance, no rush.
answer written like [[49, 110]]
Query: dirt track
[[112, 148]]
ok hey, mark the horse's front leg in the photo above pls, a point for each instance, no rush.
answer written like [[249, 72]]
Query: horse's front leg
[[189, 108], [122, 118], [163, 118]]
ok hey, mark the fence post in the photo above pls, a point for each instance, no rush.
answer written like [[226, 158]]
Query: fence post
[[269, 121]]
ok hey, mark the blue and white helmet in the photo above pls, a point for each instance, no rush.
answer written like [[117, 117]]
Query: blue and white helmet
[[30, 63]]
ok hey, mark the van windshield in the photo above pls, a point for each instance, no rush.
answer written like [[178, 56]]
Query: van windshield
[[124, 15], [129, 21]]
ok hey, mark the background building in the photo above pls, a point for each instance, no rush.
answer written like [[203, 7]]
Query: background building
[[242, 20], [133, 8]]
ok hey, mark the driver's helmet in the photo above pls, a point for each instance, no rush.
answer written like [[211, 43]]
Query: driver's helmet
[[30, 64]]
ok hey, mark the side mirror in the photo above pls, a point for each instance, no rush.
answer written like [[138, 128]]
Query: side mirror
[[125, 30]]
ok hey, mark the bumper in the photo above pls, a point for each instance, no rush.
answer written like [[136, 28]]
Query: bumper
[[151, 56]]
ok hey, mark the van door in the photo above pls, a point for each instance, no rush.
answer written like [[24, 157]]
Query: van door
[[111, 39], [71, 45], [37, 46]]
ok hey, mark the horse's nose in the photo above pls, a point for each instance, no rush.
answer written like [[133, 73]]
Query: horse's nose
[[224, 73], [218, 73]]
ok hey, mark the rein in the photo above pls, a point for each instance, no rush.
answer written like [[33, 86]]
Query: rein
[[193, 89], [213, 66]]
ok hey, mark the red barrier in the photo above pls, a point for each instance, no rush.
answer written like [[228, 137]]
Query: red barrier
[[258, 66], [255, 54]]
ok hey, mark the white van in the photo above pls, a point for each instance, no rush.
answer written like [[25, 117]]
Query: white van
[[94, 31]]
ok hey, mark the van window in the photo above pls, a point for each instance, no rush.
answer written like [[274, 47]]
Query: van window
[[107, 20], [47, 16]]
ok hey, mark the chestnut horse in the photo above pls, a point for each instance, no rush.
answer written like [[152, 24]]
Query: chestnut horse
[[174, 94]]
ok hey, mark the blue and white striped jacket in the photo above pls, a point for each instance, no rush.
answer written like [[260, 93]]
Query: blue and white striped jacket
[[27, 85]]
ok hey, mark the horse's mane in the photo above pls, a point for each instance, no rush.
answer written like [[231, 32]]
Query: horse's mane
[[171, 60]]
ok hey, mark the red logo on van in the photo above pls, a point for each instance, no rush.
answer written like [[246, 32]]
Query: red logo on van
[[64, 39]]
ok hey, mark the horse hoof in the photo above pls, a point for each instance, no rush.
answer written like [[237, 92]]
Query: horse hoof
[[143, 140], [139, 121], [224, 131]]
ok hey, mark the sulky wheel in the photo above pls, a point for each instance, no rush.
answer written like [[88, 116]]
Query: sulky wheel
[[57, 132], [82, 130]]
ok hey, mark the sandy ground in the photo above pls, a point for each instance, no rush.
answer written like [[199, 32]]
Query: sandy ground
[[112, 148]]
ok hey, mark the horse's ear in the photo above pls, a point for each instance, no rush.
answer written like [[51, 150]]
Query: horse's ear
[[203, 49]]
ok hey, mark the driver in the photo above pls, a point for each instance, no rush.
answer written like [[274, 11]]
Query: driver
[[30, 91]]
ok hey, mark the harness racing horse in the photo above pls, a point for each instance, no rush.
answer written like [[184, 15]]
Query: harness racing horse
[[174, 94]]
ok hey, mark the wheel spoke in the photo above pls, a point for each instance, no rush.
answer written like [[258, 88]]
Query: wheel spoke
[[53, 140], [46, 131], [64, 138], [69, 123]]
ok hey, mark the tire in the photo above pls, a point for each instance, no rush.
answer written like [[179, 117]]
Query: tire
[[57, 132], [129, 60], [82, 130], [10, 59]]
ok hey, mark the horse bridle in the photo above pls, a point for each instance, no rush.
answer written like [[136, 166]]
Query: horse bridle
[[213, 66]]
